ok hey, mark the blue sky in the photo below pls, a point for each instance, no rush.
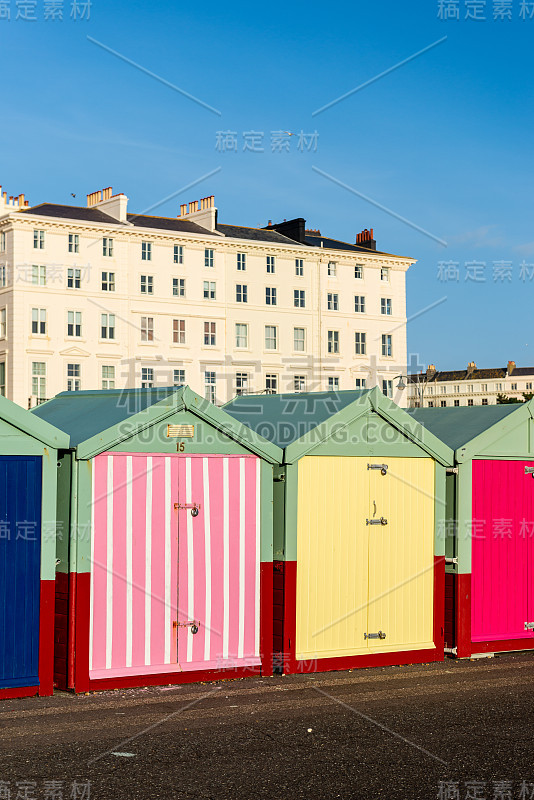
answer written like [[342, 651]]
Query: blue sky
[[444, 141]]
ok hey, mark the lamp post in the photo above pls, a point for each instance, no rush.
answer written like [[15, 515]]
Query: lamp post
[[420, 385]]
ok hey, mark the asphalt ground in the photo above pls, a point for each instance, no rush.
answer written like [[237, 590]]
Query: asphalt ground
[[459, 729]]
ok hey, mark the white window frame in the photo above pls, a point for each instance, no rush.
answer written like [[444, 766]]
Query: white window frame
[[297, 340], [178, 331], [147, 329], [74, 242], [271, 338], [385, 306], [178, 254], [146, 251], [332, 301], [107, 247], [359, 304], [270, 296], [332, 269], [107, 326], [210, 290], [147, 377], [208, 257], [299, 267], [210, 333], [241, 292], [74, 324], [241, 262], [387, 345], [241, 335], [108, 281], [299, 298], [360, 343], [332, 342], [74, 278], [178, 287], [146, 284], [270, 264], [39, 321], [108, 378], [74, 377]]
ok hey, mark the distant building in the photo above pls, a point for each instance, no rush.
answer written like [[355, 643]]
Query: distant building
[[468, 387], [96, 297]]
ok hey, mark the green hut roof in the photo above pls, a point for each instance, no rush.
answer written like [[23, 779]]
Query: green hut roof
[[457, 426], [85, 414], [284, 418]]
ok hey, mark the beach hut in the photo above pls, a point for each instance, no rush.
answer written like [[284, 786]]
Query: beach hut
[[28, 458], [168, 568], [490, 526], [358, 501]]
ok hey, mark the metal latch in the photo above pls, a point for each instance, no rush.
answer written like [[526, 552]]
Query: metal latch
[[379, 635], [451, 470], [380, 521], [529, 626], [195, 507], [194, 625], [529, 471], [382, 467]]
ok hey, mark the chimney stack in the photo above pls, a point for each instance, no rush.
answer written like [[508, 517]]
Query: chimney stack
[[202, 212], [471, 367], [511, 367], [431, 369], [114, 205], [366, 239]]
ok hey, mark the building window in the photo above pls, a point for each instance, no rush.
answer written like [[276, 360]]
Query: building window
[[361, 383], [271, 384], [74, 243], [299, 383], [179, 377], [107, 326], [210, 336], [270, 296], [39, 240], [498, 387], [208, 261], [443, 389], [484, 387], [210, 382], [178, 331], [241, 334], [387, 345], [3, 243], [299, 339], [457, 403], [147, 329], [333, 302], [3, 315], [299, 298], [360, 343], [384, 274], [108, 377], [108, 281], [332, 269], [209, 290], [3, 378], [358, 271], [387, 388], [241, 293], [271, 337], [39, 320], [359, 304], [146, 251], [456, 389], [38, 275], [74, 278], [178, 254], [107, 247], [514, 387], [241, 261], [470, 402], [470, 389], [178, 287], [333, 384], [385, 306], [73, 378], [39, 380], [147, 377], [528, 386], [443, 403], [484, 401], [241, 382], [270, 265], [3, 275], [333, 341], [74, 323], [299, 267], [147, 284]]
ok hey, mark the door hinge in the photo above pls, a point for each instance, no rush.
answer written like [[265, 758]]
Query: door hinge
[[379, 635], [529, 626], [379, 521], [382, 467], [194, 625], [195, 507], [453, 470], [451, 560]]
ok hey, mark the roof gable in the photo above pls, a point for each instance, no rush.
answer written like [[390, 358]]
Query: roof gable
[[25, 422]]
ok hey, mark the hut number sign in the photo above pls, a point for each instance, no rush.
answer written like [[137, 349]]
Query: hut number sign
[[180, 432]]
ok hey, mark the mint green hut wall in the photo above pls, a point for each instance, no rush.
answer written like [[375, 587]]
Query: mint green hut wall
[[490, 434], [330, 424], [141, 422], [28, 454]]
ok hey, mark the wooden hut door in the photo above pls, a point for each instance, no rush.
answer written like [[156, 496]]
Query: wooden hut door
[[218, 562], [401, 553], [20, 558], [502, 539]]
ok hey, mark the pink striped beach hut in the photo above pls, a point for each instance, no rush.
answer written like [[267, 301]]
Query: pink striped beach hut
[[166, 568]]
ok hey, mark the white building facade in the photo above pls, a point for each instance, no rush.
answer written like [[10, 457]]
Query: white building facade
[[95, 297], [469, 387]]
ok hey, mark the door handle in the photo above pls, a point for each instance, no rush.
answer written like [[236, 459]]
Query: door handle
[[379, 521]]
